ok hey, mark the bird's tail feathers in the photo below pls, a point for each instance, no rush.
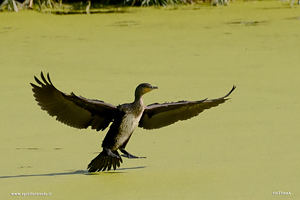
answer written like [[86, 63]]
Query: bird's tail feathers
[[105, 161]]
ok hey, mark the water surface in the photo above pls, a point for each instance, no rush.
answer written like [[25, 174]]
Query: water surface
[[247, 148]]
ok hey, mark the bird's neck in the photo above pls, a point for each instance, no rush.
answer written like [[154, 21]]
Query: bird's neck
[[138, 101]]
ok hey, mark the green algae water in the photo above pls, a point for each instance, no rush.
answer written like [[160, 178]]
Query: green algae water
[[247, 148]]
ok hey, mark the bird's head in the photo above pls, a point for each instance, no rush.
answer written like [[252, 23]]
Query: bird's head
[[144, 88]]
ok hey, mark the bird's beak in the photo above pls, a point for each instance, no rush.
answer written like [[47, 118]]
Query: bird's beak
[[146, 90]]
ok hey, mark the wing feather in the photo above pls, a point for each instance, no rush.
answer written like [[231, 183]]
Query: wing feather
[[72, 110], [160, 115]]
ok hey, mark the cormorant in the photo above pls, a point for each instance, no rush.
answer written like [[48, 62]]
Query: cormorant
[[79, 112]]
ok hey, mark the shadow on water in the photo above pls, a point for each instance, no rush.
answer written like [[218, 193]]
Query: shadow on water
[[293, 18], [247, 23], [83, 172]]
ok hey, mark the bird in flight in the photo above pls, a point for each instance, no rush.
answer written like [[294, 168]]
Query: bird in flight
[[79, 112]]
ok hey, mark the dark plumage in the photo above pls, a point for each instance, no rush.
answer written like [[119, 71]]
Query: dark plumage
[[79, 112]]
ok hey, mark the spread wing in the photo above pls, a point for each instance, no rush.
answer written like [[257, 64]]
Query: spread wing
[[72, 110], [160, 115]]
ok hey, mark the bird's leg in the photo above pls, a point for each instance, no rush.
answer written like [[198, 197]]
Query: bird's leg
[[110, 153], [128, 155]]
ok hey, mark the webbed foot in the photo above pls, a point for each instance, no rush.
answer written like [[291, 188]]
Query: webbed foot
[[110, 153], [128, 155]]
